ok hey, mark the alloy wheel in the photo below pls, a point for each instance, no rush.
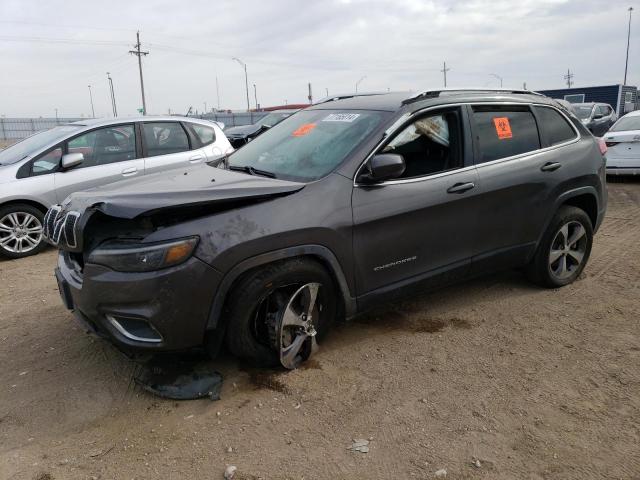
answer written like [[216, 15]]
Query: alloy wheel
[[568, 250], [20, 232]]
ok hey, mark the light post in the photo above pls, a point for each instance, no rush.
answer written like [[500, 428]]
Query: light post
[[93, 113], [358, 82], [255, 94], [498, 77], [246, 79], [626, 63], [113, 96]]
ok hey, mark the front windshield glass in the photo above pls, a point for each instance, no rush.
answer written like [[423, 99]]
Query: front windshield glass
[[627, 124], [273, 118], [32, 144], [308, 145], [582, 112]]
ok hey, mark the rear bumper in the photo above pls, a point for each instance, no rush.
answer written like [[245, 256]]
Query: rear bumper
[[164, 310], [612, 170]]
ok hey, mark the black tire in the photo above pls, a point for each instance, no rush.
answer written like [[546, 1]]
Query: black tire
[[20, 209], [251, 342], [541, 269]]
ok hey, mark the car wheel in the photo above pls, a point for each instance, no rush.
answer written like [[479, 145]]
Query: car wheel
[[20, 231], [564, 249], [277, 313]]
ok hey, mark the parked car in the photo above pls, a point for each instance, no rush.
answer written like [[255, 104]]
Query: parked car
[[343, 206], [45, 168], [623, 142], [597, 117], [243, 134]]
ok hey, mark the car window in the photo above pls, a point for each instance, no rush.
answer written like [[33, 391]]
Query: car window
[[627, 123], [205, 134], [604, 110], [505, 132], [429, 145], [556, 127], [47, 162], [105, 145], [163, 138]]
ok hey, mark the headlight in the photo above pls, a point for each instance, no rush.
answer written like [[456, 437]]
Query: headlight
[[128, 257]]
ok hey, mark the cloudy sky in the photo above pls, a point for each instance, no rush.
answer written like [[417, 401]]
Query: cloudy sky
[[51, 50]]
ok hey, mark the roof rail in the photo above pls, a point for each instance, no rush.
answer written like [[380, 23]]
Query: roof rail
[[439, 92], [342, 96]]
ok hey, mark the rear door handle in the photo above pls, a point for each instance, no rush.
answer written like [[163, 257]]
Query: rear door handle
[[196, 158], [550, 167], [461, 187], [127, 172]]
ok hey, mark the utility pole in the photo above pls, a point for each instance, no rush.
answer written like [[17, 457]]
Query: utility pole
[[205, 107], [358, 82], [246, 79], [93, 113], [444, 71], [217, 92], [255, 95], [498, 77], [56, 116], [626, 63], [569, 78], [327, 90], [310, 97], [138, 53], [113, 96]]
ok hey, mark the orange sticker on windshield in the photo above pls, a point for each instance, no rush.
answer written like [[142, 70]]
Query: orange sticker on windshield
[[503, 129], [304, 129]]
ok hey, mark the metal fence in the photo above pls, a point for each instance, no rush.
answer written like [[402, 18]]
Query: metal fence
[[14, 129]]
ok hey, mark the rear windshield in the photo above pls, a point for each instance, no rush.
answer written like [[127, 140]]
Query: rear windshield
[[34, 143], [582, 112], [626, 124], [309, 144]]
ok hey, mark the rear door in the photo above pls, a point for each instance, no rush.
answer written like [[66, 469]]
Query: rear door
[[519, 167], [167, 145], [111, 153], [422, 224]]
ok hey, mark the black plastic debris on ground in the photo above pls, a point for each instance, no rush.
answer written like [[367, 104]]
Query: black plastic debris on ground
[[179, 379]]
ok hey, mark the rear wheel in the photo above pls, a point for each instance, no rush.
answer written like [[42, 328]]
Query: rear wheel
[[277, 313], [564, 250], [20, 231]]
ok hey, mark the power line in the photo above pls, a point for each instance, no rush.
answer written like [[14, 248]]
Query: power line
[[138, 53]]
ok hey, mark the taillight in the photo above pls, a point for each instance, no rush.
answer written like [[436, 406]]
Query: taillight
[[602, 144]]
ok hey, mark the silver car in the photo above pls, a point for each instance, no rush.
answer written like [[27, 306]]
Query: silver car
[[45, 168]]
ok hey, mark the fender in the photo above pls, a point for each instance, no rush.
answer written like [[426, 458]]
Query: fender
[[326, 255]]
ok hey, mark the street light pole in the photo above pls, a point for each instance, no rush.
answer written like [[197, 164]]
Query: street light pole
[[113, 96], [498, 77], [358, 82], [626, 63], [246, 79], [255, 94], [93, 113]]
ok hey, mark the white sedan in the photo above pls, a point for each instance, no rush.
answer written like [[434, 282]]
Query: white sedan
[[623, 142]]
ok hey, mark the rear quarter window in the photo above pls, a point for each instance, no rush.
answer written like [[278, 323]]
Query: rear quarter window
[[555, 127], [205, 134], [504, 132]]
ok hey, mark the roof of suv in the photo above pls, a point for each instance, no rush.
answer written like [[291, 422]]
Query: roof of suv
[[394, 101]]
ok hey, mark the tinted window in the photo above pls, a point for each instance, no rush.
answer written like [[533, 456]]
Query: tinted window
[[429, 145], [164, 138], [583, 112], [47, 162], [205, 134], [503, 133], [604, 110], [105, 145], [556, 128]]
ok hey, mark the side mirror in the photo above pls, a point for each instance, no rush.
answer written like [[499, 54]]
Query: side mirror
[[381, 167], [71, 160]]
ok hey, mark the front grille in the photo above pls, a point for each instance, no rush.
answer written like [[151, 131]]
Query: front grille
[[60, 227]]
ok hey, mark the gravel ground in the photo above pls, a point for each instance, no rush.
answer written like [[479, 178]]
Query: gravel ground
[[492, 379]]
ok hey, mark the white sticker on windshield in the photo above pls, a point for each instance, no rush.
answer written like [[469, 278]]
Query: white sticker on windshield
[[341, 117]]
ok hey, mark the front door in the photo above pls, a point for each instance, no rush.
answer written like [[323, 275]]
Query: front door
[[421, 224]]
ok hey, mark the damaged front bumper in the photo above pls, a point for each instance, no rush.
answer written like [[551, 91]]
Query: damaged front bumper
[[162, 310]]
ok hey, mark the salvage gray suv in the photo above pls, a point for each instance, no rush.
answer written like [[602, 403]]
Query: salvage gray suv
[[354, 201]]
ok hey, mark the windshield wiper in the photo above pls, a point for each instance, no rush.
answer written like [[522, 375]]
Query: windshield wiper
[[252, 170]]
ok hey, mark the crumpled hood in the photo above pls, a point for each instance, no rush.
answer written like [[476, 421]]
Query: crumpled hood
[[194, 186], [243, 130]]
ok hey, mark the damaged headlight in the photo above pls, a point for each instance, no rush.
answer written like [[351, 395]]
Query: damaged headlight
[[128, 257]]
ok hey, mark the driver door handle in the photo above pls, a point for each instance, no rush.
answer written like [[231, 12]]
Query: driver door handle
[[127, 172], [461, 187], [196, 158], [550, 166]]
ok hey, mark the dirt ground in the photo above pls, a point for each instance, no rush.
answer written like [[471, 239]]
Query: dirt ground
[[532, 383]]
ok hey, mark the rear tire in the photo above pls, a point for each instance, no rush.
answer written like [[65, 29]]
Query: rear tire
[[21, 231], [564, 249], [252, 307]]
